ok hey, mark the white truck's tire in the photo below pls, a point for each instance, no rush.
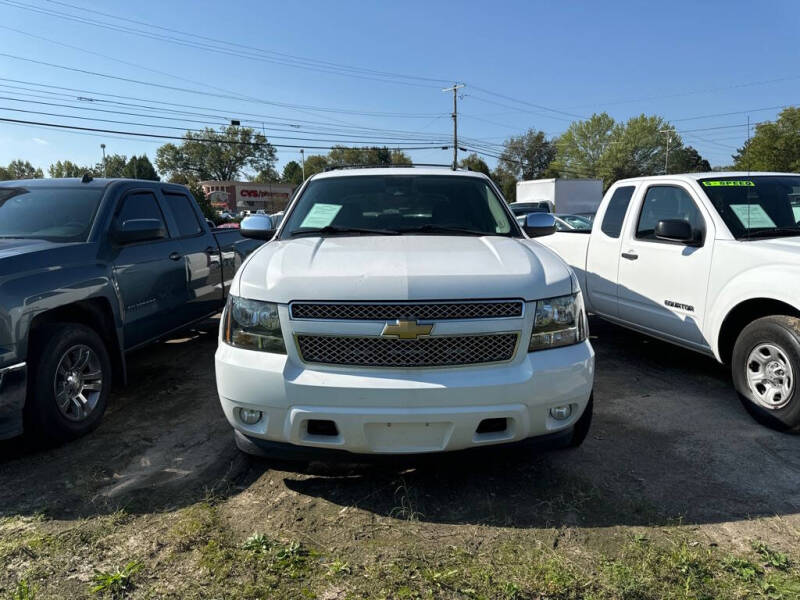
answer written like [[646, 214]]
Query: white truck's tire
[[766, 367]]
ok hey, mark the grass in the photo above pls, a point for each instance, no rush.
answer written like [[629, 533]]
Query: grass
[[117, 583], [200, 552]]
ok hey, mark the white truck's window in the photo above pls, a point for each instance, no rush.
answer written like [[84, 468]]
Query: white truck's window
[[756, 206], [663, 203], [615, 213], [399, 205]]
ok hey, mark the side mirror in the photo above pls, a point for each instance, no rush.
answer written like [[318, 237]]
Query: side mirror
[[257, 227], [140, 230], [539, 224], [675, 230]]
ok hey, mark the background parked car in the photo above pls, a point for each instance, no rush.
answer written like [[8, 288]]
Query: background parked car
[[90, 269]]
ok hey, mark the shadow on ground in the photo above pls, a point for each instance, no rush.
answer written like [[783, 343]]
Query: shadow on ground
[[669, 440]]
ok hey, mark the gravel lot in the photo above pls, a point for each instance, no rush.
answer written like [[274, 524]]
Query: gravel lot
[[670, 447]]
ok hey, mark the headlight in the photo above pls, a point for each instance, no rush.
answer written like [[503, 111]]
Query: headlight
[[253, 325], [559, 322]]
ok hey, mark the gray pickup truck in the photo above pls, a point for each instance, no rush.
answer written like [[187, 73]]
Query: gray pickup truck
[[89, 270]]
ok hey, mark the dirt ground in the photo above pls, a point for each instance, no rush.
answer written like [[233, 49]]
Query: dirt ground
[[672, 460]]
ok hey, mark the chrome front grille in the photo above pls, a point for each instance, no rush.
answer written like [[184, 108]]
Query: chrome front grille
[[437, 351], [421, 311]]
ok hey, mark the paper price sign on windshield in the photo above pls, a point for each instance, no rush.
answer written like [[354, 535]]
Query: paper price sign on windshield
[[752, 216], [321, 215]]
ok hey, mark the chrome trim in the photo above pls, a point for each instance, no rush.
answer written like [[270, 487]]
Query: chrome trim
[[16, 367]]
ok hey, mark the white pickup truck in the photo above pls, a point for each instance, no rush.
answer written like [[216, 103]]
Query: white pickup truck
[[402, 311], [708, 261]]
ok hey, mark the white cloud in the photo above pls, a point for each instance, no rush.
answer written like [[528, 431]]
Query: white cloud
[[41, 142]]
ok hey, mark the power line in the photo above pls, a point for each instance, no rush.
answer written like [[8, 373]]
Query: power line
[[216, 95], [196, 139], [246, 52]]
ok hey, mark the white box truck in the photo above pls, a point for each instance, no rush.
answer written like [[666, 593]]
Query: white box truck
[[565, 196]]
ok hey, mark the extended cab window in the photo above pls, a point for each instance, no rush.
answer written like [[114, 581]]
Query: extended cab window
[[756, 206], [615, 213], [140, 205], [667, 202], [184, 214]]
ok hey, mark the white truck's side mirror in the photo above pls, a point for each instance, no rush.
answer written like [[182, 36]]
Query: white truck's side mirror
[[539, 224]]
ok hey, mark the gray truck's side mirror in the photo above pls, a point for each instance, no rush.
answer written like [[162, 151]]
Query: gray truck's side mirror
[[257, 227], [675, 230], [140, 230], [539, 224]]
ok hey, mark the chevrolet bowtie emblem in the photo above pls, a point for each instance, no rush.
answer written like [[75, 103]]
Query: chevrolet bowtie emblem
[[405, 330]]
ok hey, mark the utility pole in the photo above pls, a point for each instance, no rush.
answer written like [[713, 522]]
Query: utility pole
[[303, 162], [103, 148], [454, 89], [747, 145], [666, 156]]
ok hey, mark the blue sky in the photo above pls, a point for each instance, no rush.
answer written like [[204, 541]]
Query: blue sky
[[551, 60]]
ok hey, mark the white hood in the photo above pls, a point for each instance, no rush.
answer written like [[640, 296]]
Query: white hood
[[399, 268]]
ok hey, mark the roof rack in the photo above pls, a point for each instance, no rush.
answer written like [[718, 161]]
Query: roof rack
[[337, 167]]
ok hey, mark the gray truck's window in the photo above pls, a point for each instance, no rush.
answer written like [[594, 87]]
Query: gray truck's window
[[57, 214], [664, 202], [184, 214], [140, 205], [615, 212]]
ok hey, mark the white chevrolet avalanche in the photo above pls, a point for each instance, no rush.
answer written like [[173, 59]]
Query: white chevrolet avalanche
[[402, 311]]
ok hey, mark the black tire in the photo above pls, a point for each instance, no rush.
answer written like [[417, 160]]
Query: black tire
[[783, 333], [44, 420], [581, 428]]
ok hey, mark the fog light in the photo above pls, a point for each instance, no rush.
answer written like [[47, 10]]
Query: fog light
[[559, 413], [250, 416]]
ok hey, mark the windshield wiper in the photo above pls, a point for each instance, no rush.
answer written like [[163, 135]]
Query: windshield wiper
[[773, 232], [334, 229], [442, 229]]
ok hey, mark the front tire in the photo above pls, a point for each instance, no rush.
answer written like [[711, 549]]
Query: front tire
[[765, 367], [69, 383]]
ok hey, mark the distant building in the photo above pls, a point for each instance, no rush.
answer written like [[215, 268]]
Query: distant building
[[237, 196]]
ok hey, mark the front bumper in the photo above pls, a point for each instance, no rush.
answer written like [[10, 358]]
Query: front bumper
[[403, 411], [13, 384]]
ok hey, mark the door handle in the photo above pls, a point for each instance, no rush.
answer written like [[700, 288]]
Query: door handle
[[175, 256], [630, 255]]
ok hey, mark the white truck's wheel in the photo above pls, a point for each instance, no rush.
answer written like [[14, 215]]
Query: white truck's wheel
[[765, 366]]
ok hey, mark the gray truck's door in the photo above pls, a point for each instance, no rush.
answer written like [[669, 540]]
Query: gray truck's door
[[204, 292], [150, 276]]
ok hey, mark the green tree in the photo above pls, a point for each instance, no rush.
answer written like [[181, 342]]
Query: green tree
[[140, 167], [687, 160], [270, 175], [219, 155], [343, 155], [527, 156], [637, 148], [292, 173], [68, 168], [316, 163], [582, 146], [774, 146], [473, 162], [114, 166], [19, 169], [506, 181]]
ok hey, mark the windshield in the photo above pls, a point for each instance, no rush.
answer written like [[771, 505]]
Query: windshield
[[398, 204], [48, 213], [757, 206]]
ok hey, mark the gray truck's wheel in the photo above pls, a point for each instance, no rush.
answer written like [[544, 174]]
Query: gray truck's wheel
[[765, 367], [69, 383]]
